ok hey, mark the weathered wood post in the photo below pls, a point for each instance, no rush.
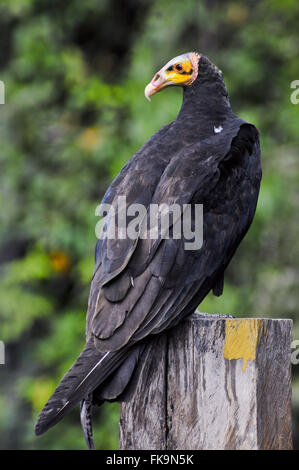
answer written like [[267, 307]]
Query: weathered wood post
[[214, 383]]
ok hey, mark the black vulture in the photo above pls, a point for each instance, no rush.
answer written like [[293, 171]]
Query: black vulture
[[146, 284]]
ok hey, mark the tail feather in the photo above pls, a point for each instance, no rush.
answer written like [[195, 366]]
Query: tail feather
[[88, 372], [86, 420]]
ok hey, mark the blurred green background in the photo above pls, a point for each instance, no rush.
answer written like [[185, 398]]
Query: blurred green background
[[75, 112]]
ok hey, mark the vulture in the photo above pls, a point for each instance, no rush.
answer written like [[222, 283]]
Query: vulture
[[141, 286]]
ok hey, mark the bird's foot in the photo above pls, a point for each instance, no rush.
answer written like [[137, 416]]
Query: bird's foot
[[212, 315]]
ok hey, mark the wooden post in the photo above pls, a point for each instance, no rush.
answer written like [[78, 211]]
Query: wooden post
[[214, 383]]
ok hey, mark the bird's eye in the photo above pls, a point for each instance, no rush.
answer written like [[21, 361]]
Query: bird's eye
[[179, 67]]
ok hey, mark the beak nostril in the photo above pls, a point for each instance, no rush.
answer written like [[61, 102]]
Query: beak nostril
[[157, 76]]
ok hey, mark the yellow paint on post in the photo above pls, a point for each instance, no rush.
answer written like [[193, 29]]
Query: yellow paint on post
[[241, 339]]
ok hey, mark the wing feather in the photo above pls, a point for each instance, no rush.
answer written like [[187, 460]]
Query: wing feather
[[152, 305]]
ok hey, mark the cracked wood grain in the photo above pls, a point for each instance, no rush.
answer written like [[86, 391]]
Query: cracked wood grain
[[212, 384]]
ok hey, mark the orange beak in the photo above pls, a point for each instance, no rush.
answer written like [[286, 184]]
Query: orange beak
[[159, 82]]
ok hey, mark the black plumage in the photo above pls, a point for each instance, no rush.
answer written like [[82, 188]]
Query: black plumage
[[140, 287]]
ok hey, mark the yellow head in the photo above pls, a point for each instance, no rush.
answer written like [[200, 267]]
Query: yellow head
[[182, 70]]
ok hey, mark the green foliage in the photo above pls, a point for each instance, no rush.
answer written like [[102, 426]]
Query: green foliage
[[74, 114]]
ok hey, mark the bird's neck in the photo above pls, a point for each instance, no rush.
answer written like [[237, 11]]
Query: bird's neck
[[205, 106]]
